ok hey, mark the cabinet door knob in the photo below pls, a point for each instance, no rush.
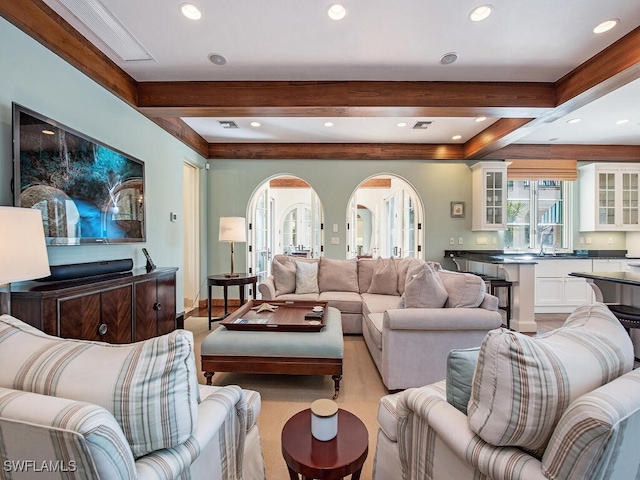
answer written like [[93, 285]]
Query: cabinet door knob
[[157, 306], [102, 329]]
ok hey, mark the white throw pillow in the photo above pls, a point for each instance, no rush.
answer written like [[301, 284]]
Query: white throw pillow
[[307, 277], [385, 278]]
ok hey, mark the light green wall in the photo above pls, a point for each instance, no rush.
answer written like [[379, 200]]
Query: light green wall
[[232, 183], [36, 78]]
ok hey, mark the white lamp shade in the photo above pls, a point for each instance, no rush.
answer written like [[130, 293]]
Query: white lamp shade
[[232, 229], [23, 250]]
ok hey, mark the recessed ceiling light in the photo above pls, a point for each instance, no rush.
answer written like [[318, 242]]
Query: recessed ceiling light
[[328, 124], [48, 132], [336, 11], [190, 11], [481, 119], [402, 124], [456, 137], [448, 58], [574, 120], [480, 13], [255, 124], [553, 139], [622, 122], [606, 25], [217, 59]]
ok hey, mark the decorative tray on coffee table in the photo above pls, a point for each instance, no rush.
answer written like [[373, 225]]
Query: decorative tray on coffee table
[[278, 316]]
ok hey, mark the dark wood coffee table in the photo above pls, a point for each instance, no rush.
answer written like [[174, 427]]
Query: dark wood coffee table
[[337, 458]]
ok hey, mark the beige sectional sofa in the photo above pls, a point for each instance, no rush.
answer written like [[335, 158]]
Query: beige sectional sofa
[[384, 299]]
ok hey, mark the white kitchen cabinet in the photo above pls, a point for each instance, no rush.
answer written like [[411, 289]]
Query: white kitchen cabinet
[[489, 185], [556, 291], [609, 197], [612, 264]]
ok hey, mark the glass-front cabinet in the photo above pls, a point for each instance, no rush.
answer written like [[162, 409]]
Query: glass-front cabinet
[[489, 183], [609, 197]]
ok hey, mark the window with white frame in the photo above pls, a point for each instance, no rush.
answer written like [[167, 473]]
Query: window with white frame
[[538, 214]]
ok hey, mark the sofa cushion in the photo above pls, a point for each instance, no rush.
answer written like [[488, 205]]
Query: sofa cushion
[[586, 443], [366, 269], [373, 323], [461, 363], [149, 387], [338, 275], [284, 275], [388, 415], [346, 302], [374, 303], [306, 277], [522, 385], [465, 290], [309, 297], [385, 278], [424, 289], [404, 265]]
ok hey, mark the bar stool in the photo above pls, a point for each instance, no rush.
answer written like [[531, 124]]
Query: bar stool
[[628, 316], [493, 284]]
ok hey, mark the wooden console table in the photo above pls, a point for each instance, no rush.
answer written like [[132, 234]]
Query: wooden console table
[[116, 308]]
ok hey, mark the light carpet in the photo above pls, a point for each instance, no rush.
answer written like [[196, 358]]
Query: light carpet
[[285, 395]]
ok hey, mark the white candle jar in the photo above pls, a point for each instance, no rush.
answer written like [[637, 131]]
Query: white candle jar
[[324, 419]]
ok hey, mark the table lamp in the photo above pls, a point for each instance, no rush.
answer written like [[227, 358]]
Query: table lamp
[[23, 251], [232, 229]]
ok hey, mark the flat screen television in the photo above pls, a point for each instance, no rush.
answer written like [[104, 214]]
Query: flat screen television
[[88, 192]]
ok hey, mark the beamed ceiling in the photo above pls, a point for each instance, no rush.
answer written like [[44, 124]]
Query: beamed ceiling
[[518, 107]]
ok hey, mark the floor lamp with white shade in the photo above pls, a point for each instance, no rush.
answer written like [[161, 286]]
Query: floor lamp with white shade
[[23, 250], [232, 229]]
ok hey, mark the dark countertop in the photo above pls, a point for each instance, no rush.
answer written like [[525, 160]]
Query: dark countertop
[[500, 257], [629, 278]]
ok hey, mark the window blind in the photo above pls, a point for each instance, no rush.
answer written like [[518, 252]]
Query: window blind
[[542, 170]]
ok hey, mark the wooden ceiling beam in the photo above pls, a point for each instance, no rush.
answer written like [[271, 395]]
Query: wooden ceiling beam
[[599, 153], [334, 151], [345, 98], [40, 22]]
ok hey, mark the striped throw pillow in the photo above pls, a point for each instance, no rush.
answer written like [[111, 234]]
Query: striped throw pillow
[[522, 385], [149, 387]]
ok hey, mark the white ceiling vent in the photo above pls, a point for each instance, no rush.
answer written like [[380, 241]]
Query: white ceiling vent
[[107, 28], [422, 125], [228, 124]]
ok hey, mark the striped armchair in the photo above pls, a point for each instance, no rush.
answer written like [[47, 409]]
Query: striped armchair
[[562, 406], [88, 410]]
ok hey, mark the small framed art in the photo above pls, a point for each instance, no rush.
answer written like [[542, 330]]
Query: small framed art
[[457, 209]]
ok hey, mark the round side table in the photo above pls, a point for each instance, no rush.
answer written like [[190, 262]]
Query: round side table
[[224, 281], [344, 455]]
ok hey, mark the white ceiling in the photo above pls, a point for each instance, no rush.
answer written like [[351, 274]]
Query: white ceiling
[[533, 41]]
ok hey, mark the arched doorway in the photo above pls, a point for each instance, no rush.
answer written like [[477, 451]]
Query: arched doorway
[[384, 218], [285, 218]]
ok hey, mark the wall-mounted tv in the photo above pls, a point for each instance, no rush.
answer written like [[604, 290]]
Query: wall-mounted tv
[[88, 192]]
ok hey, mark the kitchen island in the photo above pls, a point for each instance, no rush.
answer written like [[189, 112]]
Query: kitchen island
[[616, 288], [517, 269]]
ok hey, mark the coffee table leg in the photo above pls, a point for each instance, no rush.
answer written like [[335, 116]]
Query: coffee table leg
[[356, 474], [336, 385], [292, 475], [209, 376]]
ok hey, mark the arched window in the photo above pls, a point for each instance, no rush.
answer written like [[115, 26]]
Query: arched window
[[285, 218], [385, 219]]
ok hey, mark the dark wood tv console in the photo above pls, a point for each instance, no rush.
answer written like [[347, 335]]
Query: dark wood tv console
[[116, 308]]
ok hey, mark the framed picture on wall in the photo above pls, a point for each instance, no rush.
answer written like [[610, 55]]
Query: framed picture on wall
[[457, 209]]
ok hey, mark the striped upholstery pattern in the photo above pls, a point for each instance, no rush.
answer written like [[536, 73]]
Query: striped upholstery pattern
[[78, 440], [598, 436], [149, 387], [435, 442], [522, 385]]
